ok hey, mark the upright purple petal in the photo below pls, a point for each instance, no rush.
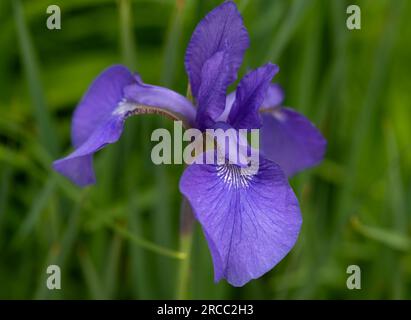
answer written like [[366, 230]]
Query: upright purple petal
[[250, 95], [221, 30], [212, 94], [274, 96], [78, 166], [250, 222], [98, 103], [291, 140], [229, 101]]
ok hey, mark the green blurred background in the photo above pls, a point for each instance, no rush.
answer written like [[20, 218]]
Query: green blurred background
[[119, 238]]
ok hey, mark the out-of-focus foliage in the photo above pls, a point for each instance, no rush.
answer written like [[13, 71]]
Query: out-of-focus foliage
[[118, 239]]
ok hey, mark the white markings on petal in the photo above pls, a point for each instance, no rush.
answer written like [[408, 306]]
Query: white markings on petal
[[125, 108], [235, 176], [276, 112], [279, 115]]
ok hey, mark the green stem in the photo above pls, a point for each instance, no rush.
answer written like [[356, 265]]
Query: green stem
[[186, 236], [147, 244]]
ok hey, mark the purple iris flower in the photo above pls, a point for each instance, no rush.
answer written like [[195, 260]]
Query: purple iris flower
[[251, 221]]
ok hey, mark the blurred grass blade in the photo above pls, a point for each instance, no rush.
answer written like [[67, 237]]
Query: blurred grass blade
[[60, 251], [389, 238], [38, 205], [368, 111], [396, 201], [310, 60], [46, 132], [334, 83], [297, 11], [91, 276], [147, 244], [112, 266], [162, 222], [6, 177], [141, 285], [126, 34], [397, 192], [173, 44]]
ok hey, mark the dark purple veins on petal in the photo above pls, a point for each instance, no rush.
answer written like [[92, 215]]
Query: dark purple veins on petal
[[250, 222]]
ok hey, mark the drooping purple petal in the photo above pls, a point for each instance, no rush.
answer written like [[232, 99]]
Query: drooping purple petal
[[165, 100], [98, 103], [274, 96], [291, 140], [115, 95], [78, 166], [250, 95], [250, 222], [212, 93], [221, 30]]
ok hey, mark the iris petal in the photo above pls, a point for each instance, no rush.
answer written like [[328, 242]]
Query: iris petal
[[99, 118], [212, 93], [221, 30], [250, 222], [166, 101], [102, 97], [250, 95], [78, 166], [229, 101], [291, 140], [274, 96]]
